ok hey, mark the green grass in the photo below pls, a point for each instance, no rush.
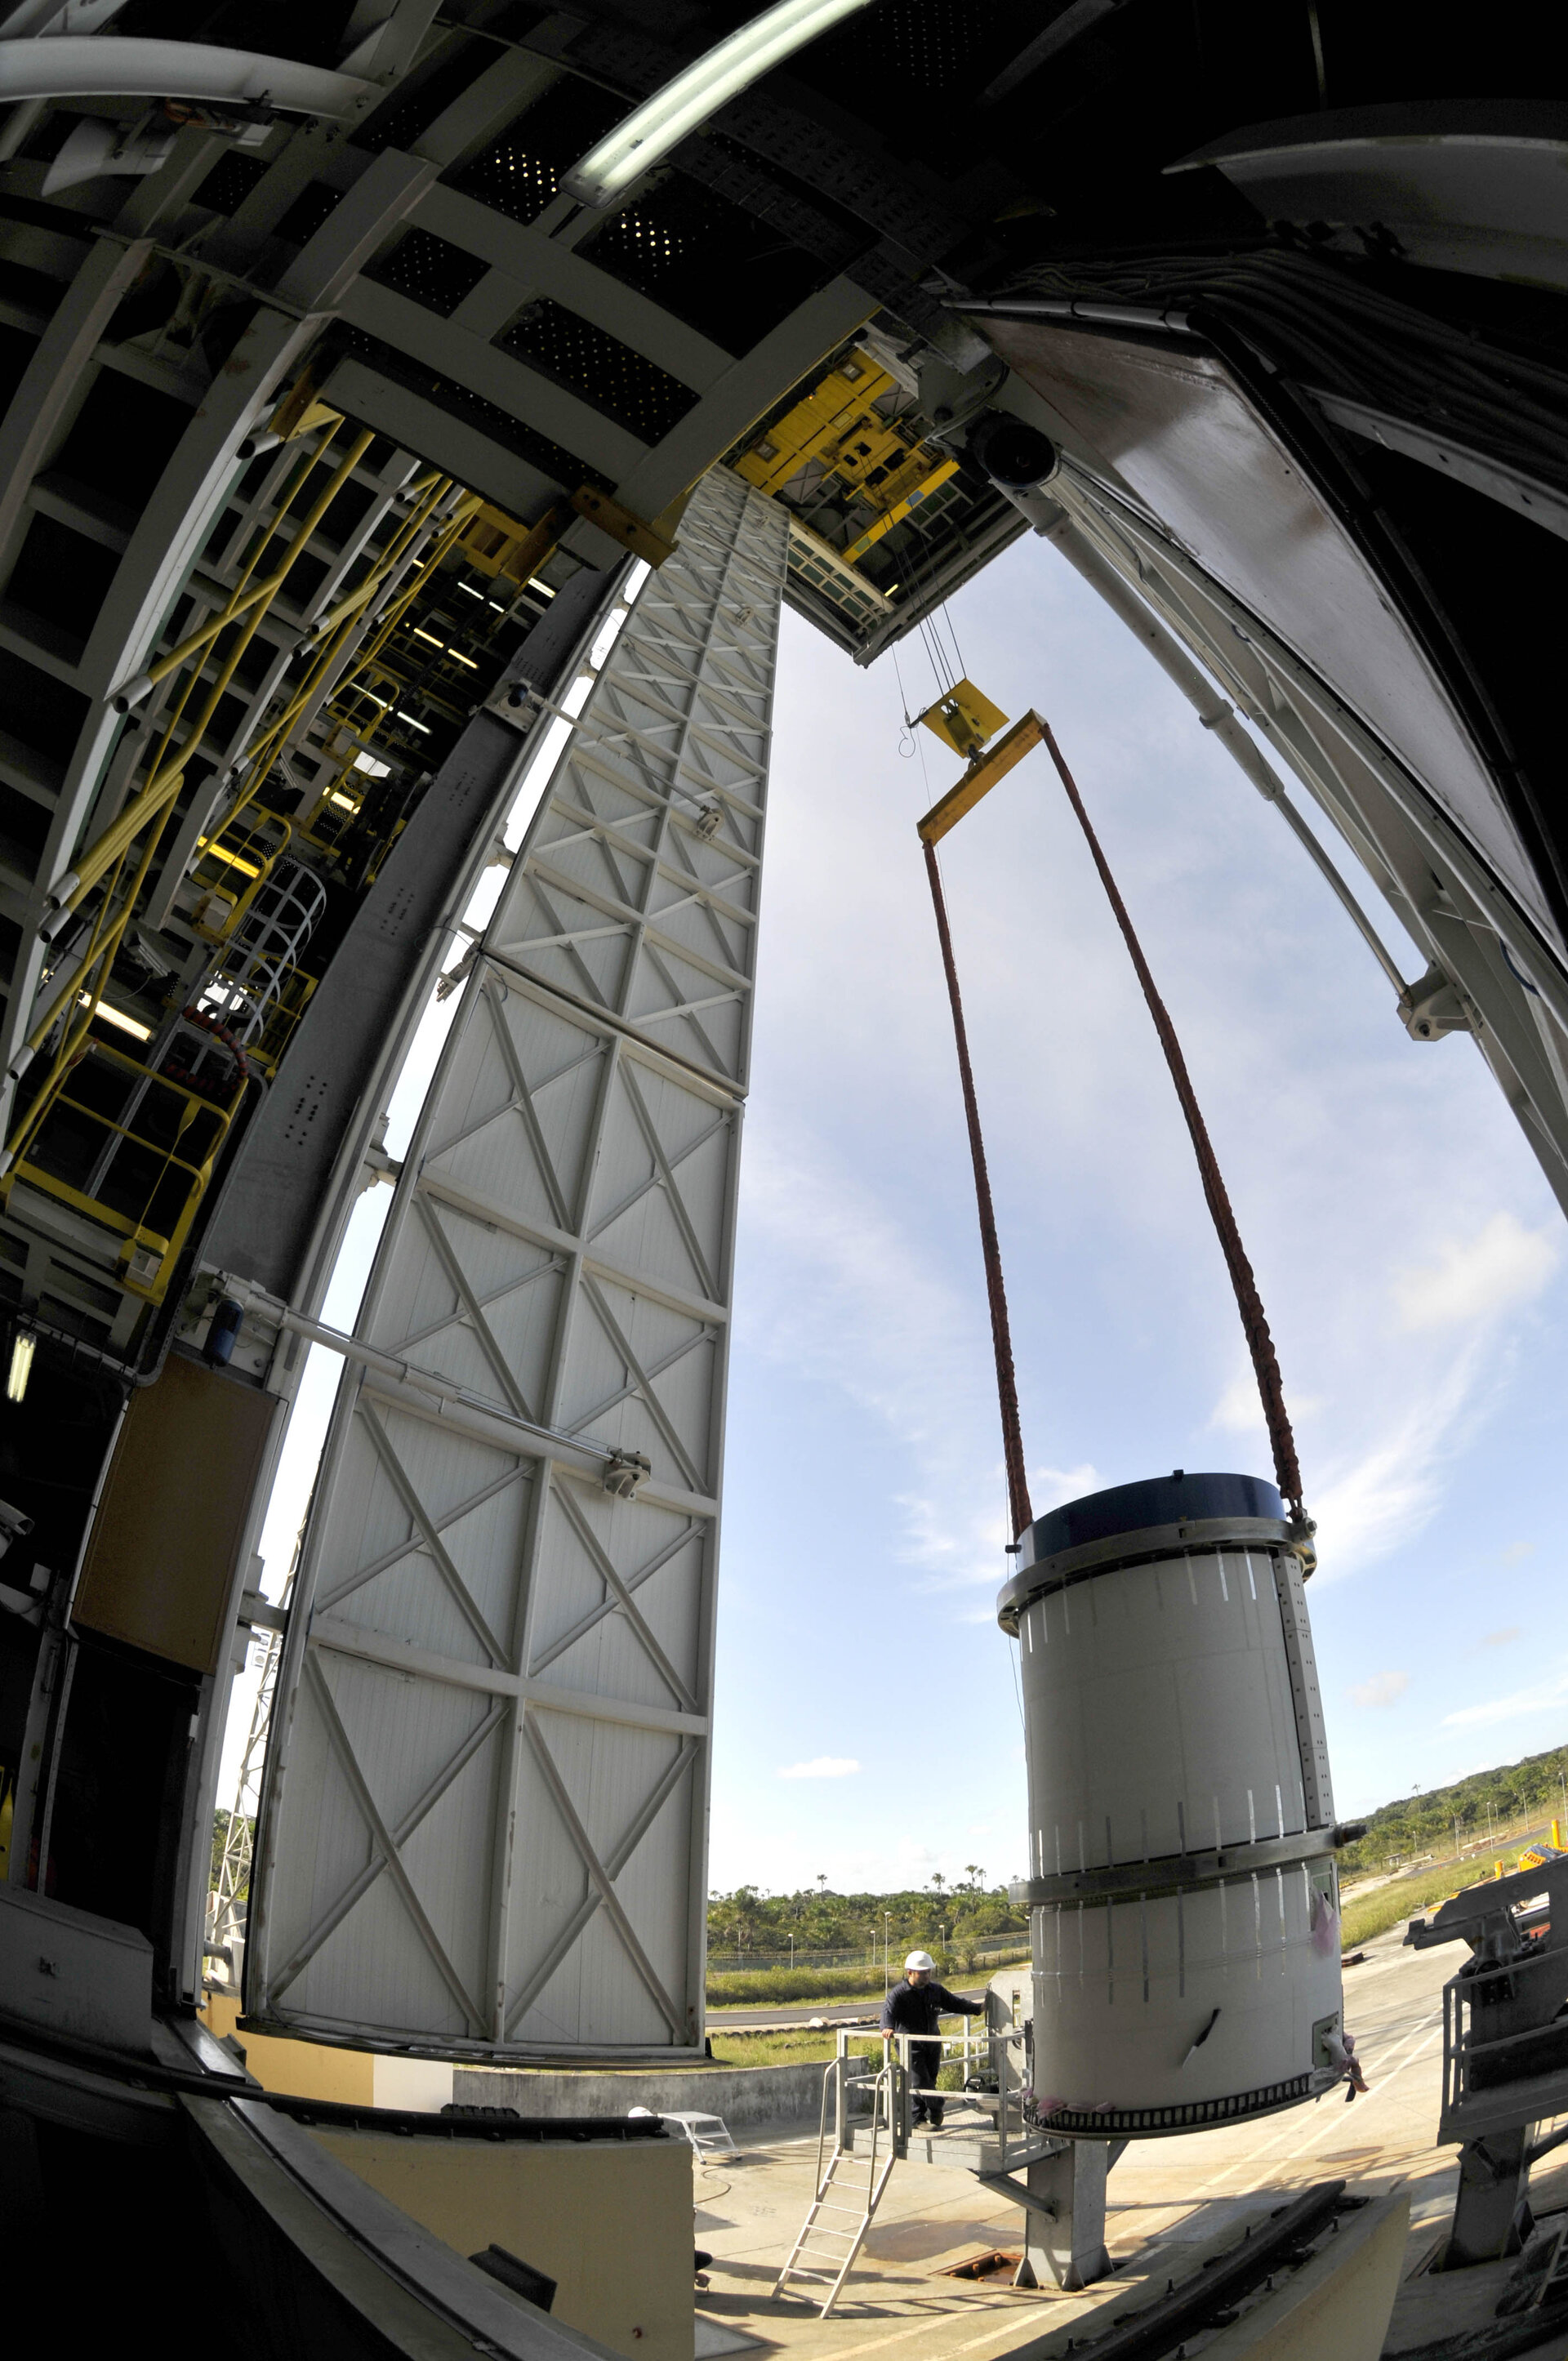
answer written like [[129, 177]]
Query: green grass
[[1410, 1898], [789, 1987], [801, 2045]]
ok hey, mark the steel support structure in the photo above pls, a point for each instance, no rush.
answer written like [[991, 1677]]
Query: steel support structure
[[484, 1823], [1491, 972], [491, 767]]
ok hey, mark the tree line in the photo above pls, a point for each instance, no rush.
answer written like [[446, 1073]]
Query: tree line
[[1425, 1822], [954, 1915]]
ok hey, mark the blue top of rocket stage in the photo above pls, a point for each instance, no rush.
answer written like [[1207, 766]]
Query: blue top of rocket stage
[[1173, 1500], [1164, 1508]]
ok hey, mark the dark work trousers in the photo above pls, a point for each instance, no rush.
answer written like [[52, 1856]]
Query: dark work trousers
[[925, 2063]]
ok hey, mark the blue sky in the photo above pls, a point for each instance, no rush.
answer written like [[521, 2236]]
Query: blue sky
[[1410, 1255], [1408, 1251]]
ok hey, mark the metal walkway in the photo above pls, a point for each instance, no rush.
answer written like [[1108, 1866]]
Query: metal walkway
[[824, 2253]]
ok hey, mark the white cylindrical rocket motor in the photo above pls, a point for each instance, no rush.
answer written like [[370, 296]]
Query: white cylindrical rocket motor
[[1182, 1888]]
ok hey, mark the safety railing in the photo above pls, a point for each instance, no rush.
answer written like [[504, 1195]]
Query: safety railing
[[259, 991], [994, 2084], [116, 866], [882, 2087], [336, 803], [231, 865], [1505, 2045], [283, 1016], [132, 1150]]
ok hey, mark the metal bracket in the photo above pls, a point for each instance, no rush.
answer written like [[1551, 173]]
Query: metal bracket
[[1433, 1006]]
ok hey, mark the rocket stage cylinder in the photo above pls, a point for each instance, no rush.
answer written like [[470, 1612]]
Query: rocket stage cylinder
[[1183, 1894]]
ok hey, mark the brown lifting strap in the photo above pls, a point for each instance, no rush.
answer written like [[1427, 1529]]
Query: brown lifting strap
[[1254, 1325], [1000, 1335]]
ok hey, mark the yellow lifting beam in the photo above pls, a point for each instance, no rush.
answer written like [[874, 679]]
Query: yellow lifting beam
[[982, 775], [840, 404]]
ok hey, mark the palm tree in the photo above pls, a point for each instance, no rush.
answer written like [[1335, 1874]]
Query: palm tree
[[974, 1873]]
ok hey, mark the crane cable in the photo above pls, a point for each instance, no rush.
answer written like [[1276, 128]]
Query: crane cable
[[1000, 1334], [1249, 1303]]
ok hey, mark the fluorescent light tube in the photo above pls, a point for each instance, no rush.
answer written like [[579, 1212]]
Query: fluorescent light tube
[[114, 1016], [24, 1346], [683, 105]]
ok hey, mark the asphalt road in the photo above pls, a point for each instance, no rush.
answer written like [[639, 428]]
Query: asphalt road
[[764, 2020]]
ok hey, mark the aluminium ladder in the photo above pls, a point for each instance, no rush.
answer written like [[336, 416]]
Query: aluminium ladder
[[822, 2254]]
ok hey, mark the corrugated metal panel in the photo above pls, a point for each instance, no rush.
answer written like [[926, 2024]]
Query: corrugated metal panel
[[484, 1823]]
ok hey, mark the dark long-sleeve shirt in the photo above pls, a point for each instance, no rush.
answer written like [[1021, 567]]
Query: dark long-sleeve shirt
[[917, 2008]]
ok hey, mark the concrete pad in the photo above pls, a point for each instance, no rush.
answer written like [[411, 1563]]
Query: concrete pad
[[1169, 2201]]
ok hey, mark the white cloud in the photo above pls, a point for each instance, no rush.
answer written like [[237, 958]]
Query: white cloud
[[1239, 1411], [1474, 1279], [1049, 1486], [1515, 1552], [821, 1766], [1383, 1688], [1538, 1700], [1500, 1638], [953, 1547], [1380, 1500], [839, 1288]]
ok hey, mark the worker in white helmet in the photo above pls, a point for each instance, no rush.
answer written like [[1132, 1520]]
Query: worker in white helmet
[[918, 2005]]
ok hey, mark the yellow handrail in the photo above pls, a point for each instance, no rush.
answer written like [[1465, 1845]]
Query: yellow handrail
[[134, 1232]]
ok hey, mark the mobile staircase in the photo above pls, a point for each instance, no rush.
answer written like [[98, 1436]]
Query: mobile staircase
[[852, 2178]]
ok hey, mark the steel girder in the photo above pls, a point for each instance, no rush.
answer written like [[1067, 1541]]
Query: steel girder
[[485, 1818]]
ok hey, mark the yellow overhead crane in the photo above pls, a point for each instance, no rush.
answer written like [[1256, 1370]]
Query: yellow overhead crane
[[839, 426]]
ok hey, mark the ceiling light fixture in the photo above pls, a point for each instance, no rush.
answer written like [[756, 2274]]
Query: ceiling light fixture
[[116, 1016], [662, 122], [24, 1344]]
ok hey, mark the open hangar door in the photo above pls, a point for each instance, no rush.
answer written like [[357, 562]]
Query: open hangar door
[[485, 1817]]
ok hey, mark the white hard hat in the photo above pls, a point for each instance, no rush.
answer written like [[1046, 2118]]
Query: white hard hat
[[921, 1959]]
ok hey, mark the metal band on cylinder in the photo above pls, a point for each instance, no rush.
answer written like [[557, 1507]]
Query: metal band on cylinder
[[1182, 1887]]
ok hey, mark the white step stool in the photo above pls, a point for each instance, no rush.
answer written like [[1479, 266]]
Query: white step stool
[[710, 2135]]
